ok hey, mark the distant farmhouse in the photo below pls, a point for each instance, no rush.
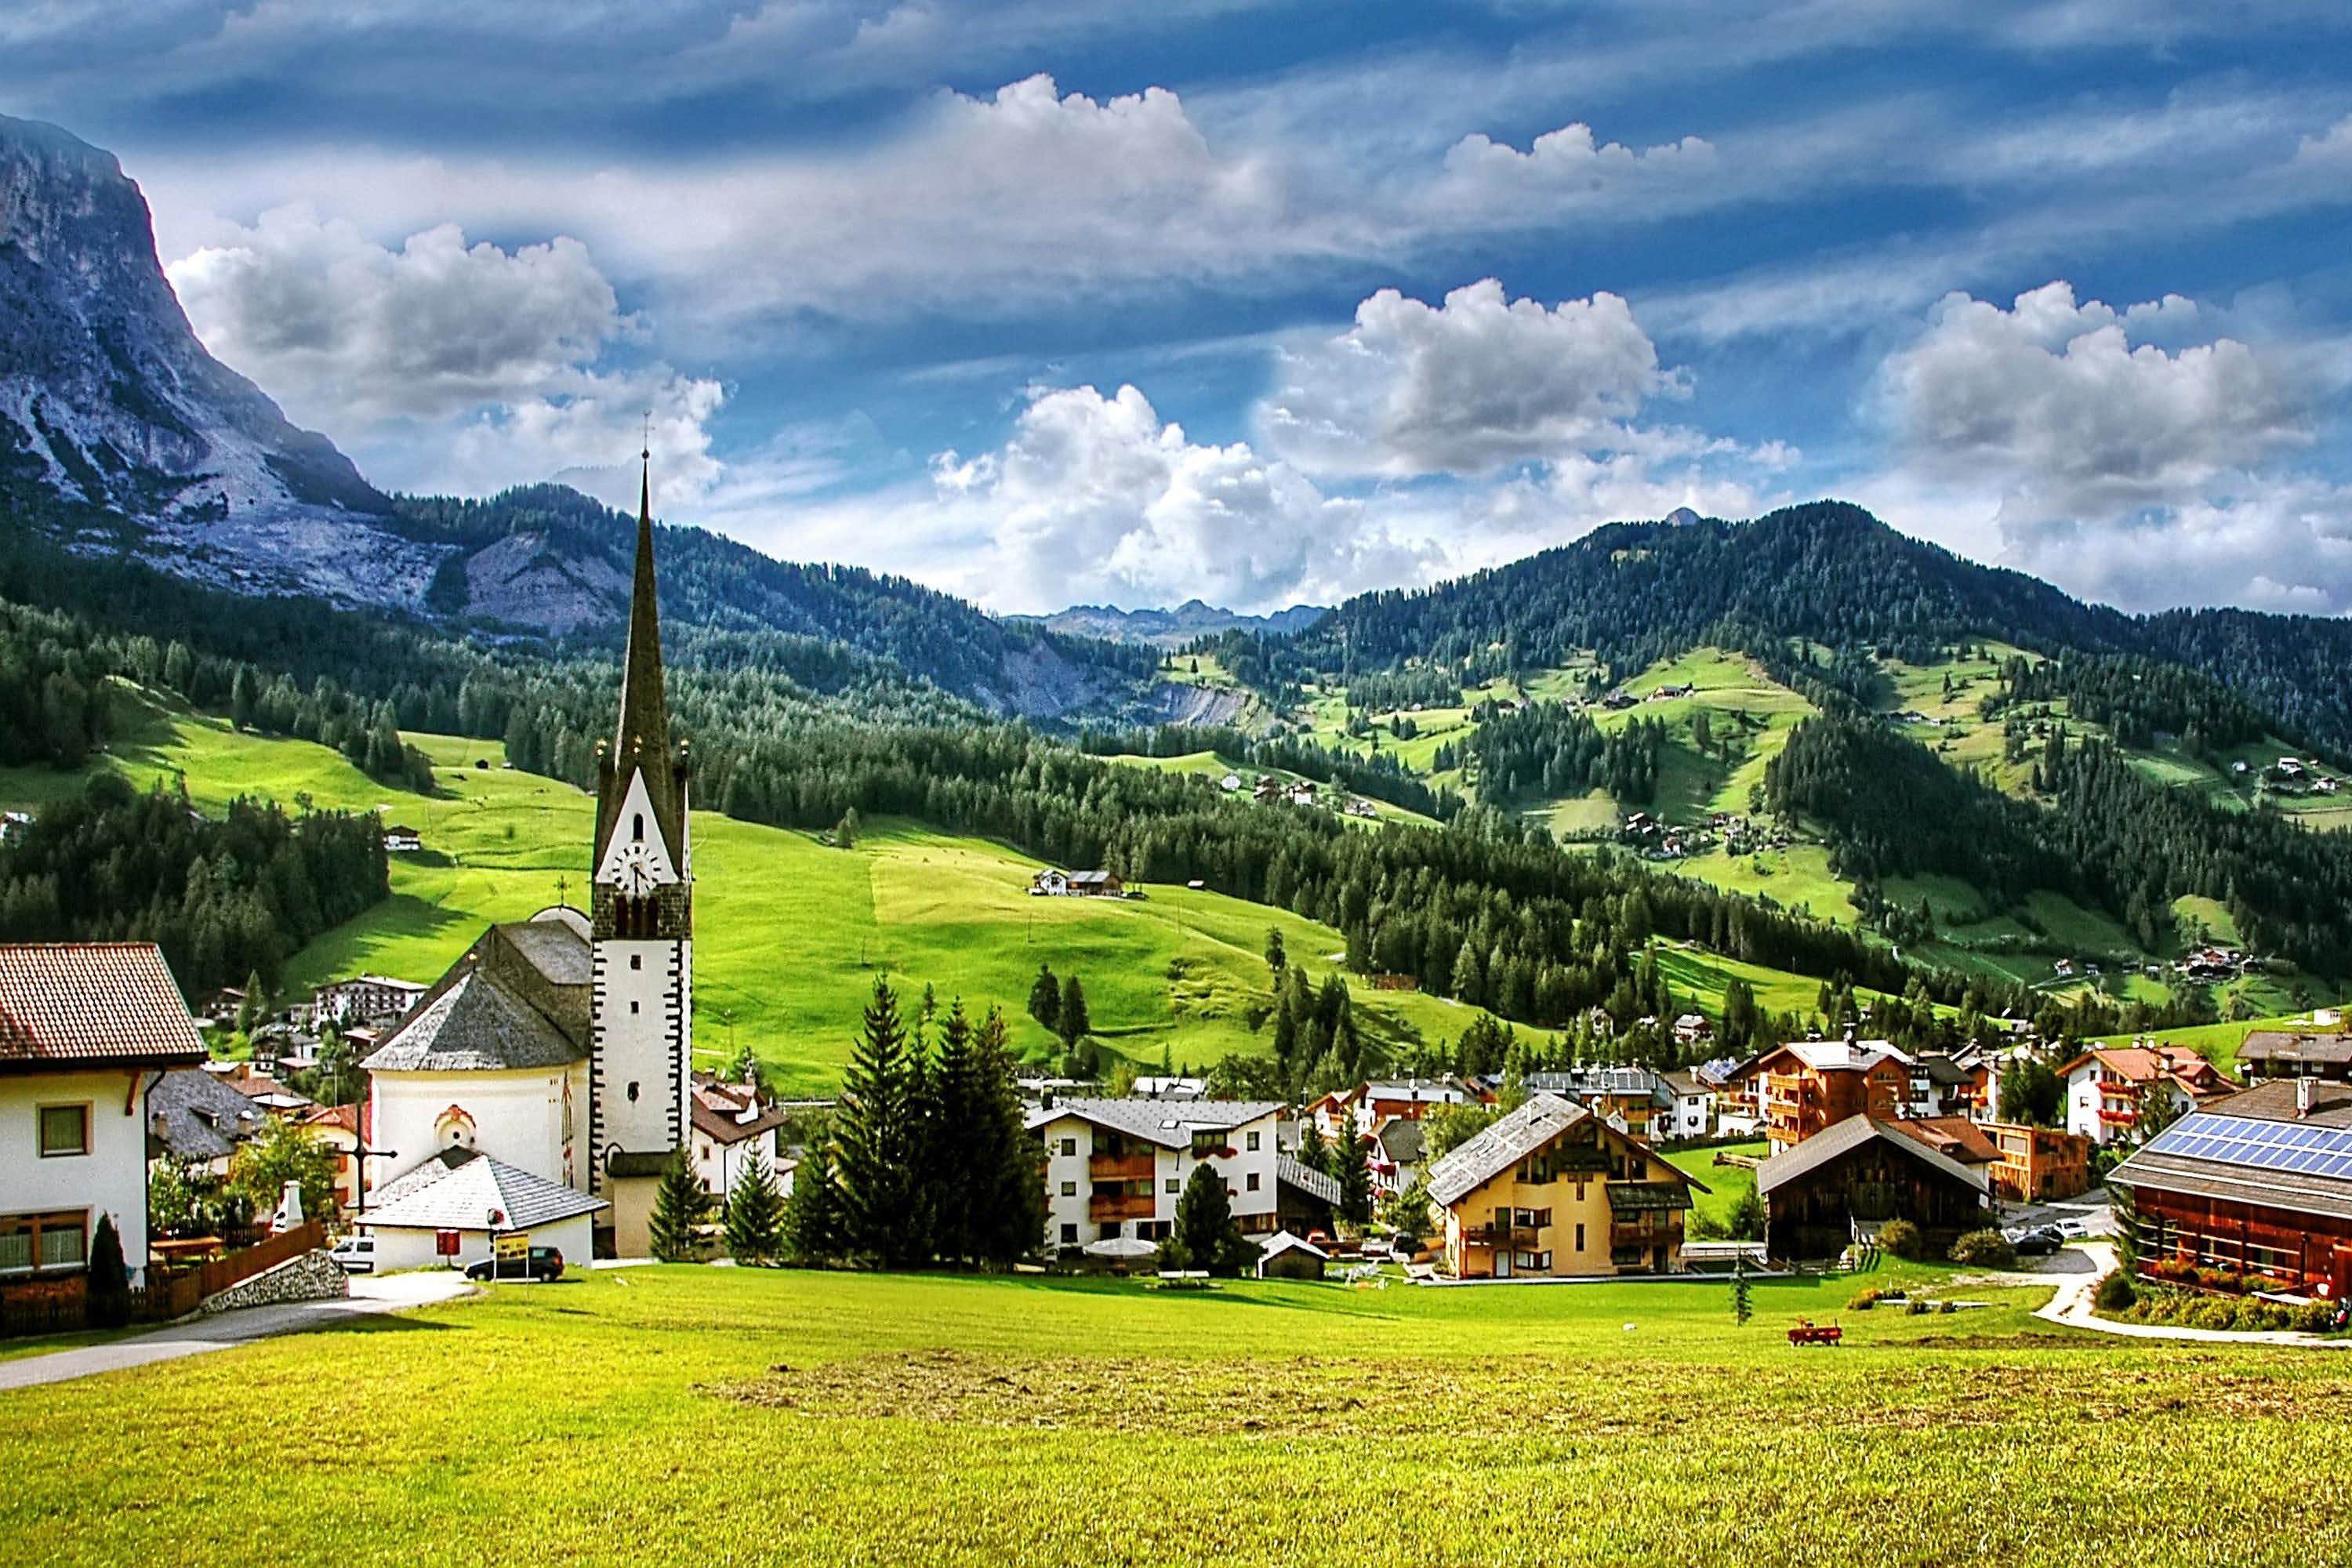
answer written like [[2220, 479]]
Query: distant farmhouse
[[1058, 884]]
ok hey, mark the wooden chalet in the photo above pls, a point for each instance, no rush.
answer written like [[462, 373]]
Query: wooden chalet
[[1841, 1184]]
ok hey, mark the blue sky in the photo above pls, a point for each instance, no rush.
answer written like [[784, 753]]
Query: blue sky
[[1273, 301]]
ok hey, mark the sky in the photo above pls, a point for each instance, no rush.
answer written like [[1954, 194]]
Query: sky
[[1265, 303]]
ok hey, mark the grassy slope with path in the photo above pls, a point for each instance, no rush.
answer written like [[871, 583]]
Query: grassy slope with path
[[698, 1416], [789, 933]]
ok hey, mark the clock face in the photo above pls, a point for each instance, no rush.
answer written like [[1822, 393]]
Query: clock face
[[636, 872]]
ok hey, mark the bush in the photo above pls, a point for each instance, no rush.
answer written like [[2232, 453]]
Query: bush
[[1901, 1239], [109, 1300], [1863, 1299], [1921, 1309], [1984, 1249], [2114, 1293]]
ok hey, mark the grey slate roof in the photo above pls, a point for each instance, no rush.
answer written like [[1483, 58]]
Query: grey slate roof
[[195, 1116], [1306, 1179], [2272, 1047], [457, 1189], [1543, 1118], [1848, 1135], [1167, 1123], [1405, 1140], [517, 998]]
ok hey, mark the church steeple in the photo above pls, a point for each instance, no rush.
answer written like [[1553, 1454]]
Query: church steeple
[[641, 748]]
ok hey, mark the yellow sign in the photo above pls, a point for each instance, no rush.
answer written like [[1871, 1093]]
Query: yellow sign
[[514, 1246]]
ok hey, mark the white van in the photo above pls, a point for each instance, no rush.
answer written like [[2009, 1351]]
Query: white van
[[355, 1253]]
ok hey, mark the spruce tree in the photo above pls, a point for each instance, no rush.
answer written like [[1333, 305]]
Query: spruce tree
[[1075, 1024], [1275, 956], [951, 1163], [1008, 1220], [755, 1215], [1353, 1157], [877, 1138], [1204, 1234], [680, 1207], [812, 1212], [1045, 999]]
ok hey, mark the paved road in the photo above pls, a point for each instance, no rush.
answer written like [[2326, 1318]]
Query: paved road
[[2072, 1306], [222, 1329]]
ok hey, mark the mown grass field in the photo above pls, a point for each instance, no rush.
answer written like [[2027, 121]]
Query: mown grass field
[[789, 933], [715, 1416]]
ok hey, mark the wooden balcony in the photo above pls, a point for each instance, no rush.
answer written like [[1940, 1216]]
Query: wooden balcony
[[1108, 1206], [1502, 1236], [1122, 1167]]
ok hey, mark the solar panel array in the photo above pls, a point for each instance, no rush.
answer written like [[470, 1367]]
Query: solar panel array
[[2264, 1146]]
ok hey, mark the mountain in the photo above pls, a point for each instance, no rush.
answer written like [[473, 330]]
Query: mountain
[[121, 435], [1172, 628], [110, 405]]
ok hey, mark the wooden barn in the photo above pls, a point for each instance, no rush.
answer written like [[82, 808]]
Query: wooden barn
[[2258, 1183], [1855, 1176]]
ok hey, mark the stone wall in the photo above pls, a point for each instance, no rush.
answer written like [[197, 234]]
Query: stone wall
[[312, 1277]]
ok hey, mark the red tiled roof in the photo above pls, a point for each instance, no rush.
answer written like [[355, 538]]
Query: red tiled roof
[[96, 1003]]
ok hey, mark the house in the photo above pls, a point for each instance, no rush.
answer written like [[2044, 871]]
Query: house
[[1230, 782], [338, 1127], [2260, 1184], [730, 1122], [400, 840], [1689, 1106], [1057, 884], [471, 1199], [558, 1047], [1633, 1099], [222, 1007], [87, 1030], [1552, 1190], [1955, 1138], [1269, 787], [1050, 884], [1398, 1146], [2267, 1054], [1691, 1028], [1164, 1087], [2109, 1087], [261, 1089], [199, 1117], [1282, 1256], [1305, 1199], [1810, 1086], [365, 999], [1301, 793], [2038, 1164], [1840, 1185], [1115, 1168], [1737, 1083]]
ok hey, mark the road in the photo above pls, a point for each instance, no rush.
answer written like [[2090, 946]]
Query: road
[[390, 1294]]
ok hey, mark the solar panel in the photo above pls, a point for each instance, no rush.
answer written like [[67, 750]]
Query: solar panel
[[2259, 1144]]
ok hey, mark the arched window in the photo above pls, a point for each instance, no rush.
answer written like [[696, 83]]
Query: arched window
[[638, 827]]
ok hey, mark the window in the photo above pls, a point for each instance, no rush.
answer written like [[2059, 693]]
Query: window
[[42, 1241], [638, 825], [1069, 1146], [1069, 1236], [637, 961], [633, 1093], [1534, 1262], [1207, 1143], [1253, 1143], [65, 1129], [1579, 1237], [1253, 1181], [1532, 1219], [632, 1009], [1069, 1189], [1174, 1186]]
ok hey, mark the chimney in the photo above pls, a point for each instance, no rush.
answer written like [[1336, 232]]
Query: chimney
[[2305, 1088]]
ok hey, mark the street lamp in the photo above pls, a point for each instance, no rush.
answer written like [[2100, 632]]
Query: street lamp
[[361, 1156]]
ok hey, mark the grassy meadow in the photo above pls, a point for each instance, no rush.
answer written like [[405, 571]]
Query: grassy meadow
[[711, 1417]]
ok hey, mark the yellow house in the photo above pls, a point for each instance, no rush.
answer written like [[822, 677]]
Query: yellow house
[[1551, 1190]]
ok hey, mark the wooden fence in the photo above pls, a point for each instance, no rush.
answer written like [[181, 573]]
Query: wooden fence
[[61, 1306]]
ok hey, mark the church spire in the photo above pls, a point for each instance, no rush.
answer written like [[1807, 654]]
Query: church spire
[[641, 742]]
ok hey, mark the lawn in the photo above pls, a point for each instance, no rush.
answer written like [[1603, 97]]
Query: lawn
[[715, 1416], [789, 933], [1726, 1184]]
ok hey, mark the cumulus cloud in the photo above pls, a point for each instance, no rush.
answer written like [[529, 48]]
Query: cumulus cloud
[[1474, 383], [1563, 170], [346, 331], [1102, 499]]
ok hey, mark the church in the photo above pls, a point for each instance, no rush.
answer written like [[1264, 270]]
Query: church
[[543, 1083]]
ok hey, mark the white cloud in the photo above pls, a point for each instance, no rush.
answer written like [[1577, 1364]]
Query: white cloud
[[1475, 383], [2053, 402], [1562, 171]]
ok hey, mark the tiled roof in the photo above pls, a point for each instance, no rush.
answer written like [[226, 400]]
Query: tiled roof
[[1306, 1179], [1843, 1056], [721, 1127], [517, 998], [1543, 1118], [1167, 1123], [1850, 1134], [95, 1003], [1956, 1136], [457, 1189], [2280, 1045], [195, 1116]]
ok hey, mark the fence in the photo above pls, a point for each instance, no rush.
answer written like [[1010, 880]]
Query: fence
[[60, 1306]]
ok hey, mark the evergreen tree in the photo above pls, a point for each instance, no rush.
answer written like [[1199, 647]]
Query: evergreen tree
[[845, 831], [1045, 999], [812, 1212], [1075, 1023], [1275, 956], [877, 1137], [680, 1207], [1313, 1153], [1741, 1308], [1204, 1234], [1353, 1156], [755, 1215], [950, 1168], [1008, 1188], [108, 1302]]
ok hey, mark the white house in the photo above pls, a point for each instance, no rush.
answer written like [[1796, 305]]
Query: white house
[[1116, 1167], [1690, 1113], [87, 1029], [730, 1123], [364, 998], [475, 1198]]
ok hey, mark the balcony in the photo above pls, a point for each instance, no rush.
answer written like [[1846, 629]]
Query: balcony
[[1645, 1236], [1501, 1234], [1104, 1207], [1122, 1167]]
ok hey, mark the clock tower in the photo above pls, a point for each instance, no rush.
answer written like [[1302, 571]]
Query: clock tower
[[641, 917]]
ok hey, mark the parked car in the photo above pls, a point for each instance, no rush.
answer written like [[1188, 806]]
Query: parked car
[[2039, 1242], [355, 1253], [543, 1264]]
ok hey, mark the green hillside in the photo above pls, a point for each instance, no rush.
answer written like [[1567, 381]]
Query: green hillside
[[790, 933]]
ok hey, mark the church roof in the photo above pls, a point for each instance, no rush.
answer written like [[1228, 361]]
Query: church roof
[[642, 741], [458, 1188], [517, 998]]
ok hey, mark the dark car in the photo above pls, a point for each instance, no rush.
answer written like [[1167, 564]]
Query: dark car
[[2039, 1242], [543, 1264]]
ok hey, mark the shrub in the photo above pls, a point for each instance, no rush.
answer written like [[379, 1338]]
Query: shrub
[[1984, 1249], [1863, 1299], [2114, 1293], [108, 1301], [1901, 1239], [1921, 1309]]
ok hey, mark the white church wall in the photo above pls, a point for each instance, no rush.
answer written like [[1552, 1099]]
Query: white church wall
[[535, 1118]]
